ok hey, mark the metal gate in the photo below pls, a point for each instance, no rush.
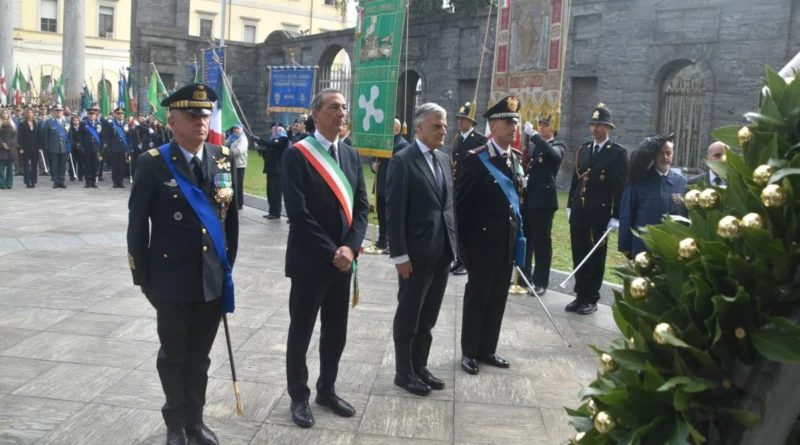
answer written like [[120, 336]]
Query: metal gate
[[680, 111], [337, 76]]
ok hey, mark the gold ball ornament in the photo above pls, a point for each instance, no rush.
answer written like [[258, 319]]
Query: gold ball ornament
[[692, 199], [640, 288], [709, 198], [762, 174], [592, 407], [660, 331], [687, 249], [729, 228], [773, 196], [740, 333], [604, 423], [753, 221], [644, 262], [632, 342], [578, 437], [727, 384], [608, 363], [745, 135]]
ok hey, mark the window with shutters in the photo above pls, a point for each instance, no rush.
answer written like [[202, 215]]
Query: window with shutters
[[48, 15], [249, 34], [105, 22], [206, 25]]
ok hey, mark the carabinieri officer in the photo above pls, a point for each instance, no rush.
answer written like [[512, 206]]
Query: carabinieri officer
[[183, 265]]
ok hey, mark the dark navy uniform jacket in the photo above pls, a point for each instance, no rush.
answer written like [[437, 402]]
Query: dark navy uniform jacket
[[543, 162], [461, 146], [604, 174], [176, 261], [383, 164], [646, 202], [88, 143], [111, 140]]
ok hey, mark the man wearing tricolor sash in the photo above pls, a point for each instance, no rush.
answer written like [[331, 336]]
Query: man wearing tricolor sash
[[183, 265], [326, 200]]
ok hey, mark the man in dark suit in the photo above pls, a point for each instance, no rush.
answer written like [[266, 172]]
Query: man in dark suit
[[541, 162], [57, 145], [184, 191], [380, 167], [422, 233], [466, 140], [328, 226], [91, 144], [488, 185], [115, 142], [598, 181], [713, 153], [272, 151]]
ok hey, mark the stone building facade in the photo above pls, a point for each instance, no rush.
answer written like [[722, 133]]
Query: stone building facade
[[657, 65]]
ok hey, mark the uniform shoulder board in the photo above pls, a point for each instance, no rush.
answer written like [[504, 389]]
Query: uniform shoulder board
[[226, 151], [154, 152], [516, 151], [477, 150]]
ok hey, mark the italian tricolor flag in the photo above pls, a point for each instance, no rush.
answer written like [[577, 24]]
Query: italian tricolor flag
[[323, 163], [224, 115]]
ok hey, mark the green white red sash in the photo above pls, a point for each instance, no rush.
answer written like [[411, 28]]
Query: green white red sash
[[330, 171]]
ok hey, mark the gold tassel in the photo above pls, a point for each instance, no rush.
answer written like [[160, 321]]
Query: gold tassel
[[556, 123], [239, 409], [356, 290], [405, 128]]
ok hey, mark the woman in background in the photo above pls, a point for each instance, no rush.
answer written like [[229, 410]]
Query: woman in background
[[8, 149], [29, 142]]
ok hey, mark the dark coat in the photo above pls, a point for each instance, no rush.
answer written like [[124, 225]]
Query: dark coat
[[421, 222], [272, 151], [29, 140], [543, 162], [88, 143], [646, 202], [487, 225], [54, 142], [319, 226], [160, 136], [604, 175], [8, 136], [461, 147], [176, 261], [383, 165], [112, 142], [139, 138], [75, 138]]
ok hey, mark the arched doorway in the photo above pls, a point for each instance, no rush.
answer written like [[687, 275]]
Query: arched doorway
[[335, 71], [682, 109], [409, 98]]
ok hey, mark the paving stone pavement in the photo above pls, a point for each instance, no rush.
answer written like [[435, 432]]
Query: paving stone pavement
[[78, 345]]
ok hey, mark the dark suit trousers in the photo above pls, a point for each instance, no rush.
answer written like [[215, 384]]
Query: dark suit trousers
[[58, 165], [327, 293], [187, 332], [590, 277], [91, 166], [30, 166], [418, 302], [118, 167], [538, 226], [274, 193], [380, 208], [240, 187], [484, 304]]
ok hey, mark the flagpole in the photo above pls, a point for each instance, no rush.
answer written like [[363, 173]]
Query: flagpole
[[474, 107], [230, 90]]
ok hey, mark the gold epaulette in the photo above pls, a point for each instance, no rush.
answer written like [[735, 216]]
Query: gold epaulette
[[131, 263], [477, 150], [154, 152], [516, 151], [226, 151]]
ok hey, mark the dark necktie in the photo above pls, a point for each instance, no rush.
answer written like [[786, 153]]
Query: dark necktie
[[437, 172], [332, 151], [717, 180], [198, 171]]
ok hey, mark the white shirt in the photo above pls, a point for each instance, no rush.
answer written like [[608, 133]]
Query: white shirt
[[712, 175], [601, 144], [499, 149], [466, 133], [427, 153], [189, 155], [326, 144]]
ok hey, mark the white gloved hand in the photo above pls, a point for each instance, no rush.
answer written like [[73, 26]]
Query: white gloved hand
[[613, 224], [151, 131], [135, 123], [528, 128], [568, 213]]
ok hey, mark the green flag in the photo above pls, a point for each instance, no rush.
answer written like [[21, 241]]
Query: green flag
[[126, 98], [105, 100], [19, 82], [228, 112], [155, 93], [377, 57]]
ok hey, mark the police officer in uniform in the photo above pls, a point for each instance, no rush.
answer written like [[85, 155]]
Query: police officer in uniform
[[541, 162], [139, 140], [595, 194], [91, 145], [488, 233], [465, 140], [57, 145], [176, 264], [115, 143]]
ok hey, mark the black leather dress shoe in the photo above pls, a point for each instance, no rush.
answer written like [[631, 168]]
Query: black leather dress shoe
[[301, 414], [573, 307], [539, 290], [94, 185], [587, 308], [460, 271], [455, 265], [495, 360], [334, 402], [412, 384], [387, 251], [469, 365], [430, 379], [201, 434], [273, 217], [176, 436]]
